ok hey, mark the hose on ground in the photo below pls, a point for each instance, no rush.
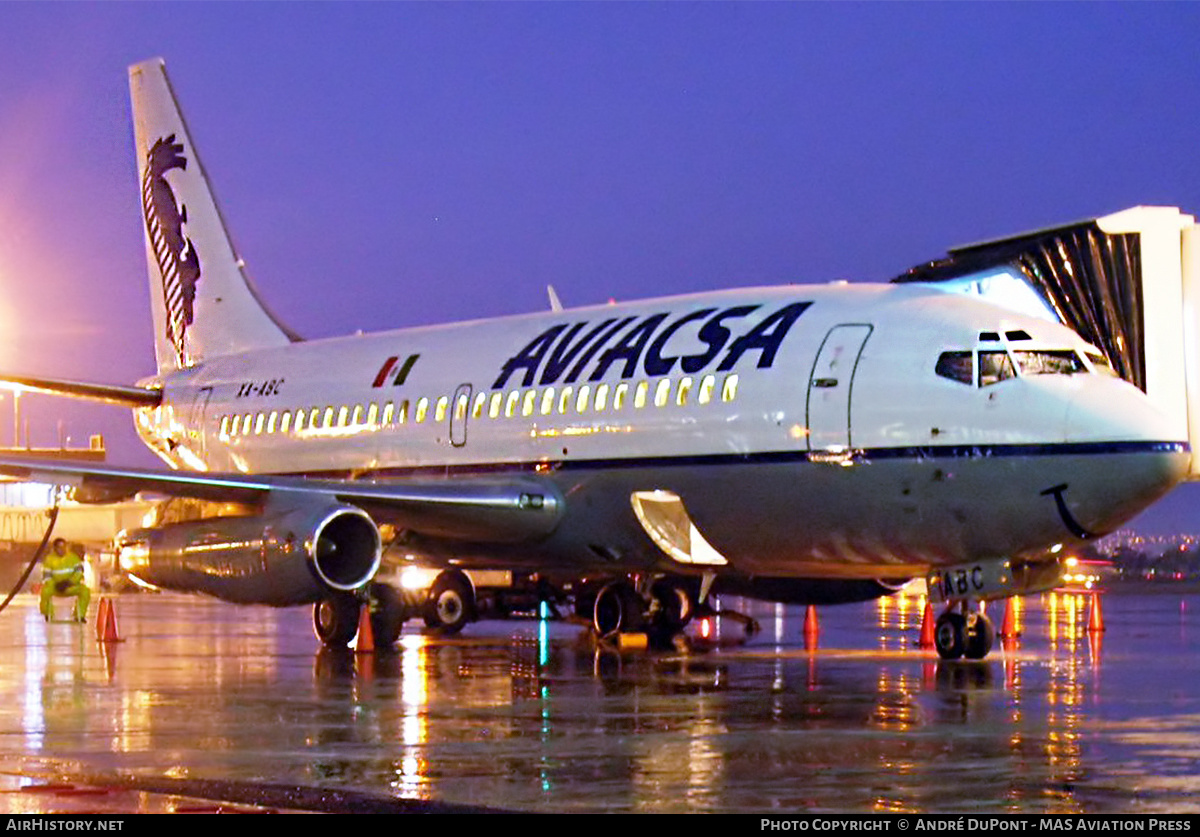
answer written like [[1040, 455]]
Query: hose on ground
[[37, 553]]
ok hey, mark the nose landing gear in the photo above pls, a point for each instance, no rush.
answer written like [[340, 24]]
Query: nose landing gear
[[968, 633]]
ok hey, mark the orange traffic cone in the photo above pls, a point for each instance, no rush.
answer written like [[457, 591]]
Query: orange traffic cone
[[926, 640], [101, 614], [366, 636], [1095, 623], [106, 623], [811, 627], [1008, 630]]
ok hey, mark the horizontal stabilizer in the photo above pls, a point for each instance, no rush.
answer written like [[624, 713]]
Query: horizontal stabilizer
[[108, 393]]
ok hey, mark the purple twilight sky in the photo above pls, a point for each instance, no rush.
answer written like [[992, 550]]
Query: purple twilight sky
[[393, 164]]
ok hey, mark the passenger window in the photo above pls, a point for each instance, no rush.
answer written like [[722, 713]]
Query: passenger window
[[564, 400], [994, 367], [685, 389], [957, 366], [314, 419], [548, 401], [480, 400], [224, 432], [581, 401], [300, 420], [372, 413], [389, 410], [460, 406], [271, 419], [662, 392], [342, 415], [510, 406], [356, 416], [494, 404], [707, 385], [422, 409], [640, 394], [620, 395], [601, 397], [729, 388], [258, 424], [246, 419], [439, 413], [285, 422], [402, 415], [527, 403]]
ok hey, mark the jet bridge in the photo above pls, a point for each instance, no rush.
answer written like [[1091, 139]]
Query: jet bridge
[[1129, 283]]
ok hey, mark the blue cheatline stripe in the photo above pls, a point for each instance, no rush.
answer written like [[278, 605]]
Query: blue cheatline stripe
[[864, 455]]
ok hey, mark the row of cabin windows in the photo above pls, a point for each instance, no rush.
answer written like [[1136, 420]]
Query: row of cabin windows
[[580, 400]]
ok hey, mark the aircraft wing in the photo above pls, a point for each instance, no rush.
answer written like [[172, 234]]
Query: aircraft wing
[[504, 509]]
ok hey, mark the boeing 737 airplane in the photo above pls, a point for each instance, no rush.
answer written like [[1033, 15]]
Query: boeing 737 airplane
[[797, 443]]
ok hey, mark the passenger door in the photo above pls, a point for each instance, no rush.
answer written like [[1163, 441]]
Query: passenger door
[[831, 385], [460, 412]]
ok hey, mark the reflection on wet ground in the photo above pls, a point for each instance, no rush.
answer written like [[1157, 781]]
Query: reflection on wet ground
[[529, 716]]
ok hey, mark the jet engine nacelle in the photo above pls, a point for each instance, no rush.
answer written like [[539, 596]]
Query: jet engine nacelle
[[281, 557]]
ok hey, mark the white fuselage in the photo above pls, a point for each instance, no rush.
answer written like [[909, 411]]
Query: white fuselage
[[846, 430]]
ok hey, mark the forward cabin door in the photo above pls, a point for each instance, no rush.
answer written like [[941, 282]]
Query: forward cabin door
[[831, 385]]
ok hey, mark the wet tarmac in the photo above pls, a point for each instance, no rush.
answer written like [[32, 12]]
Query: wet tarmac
[[207, 706]]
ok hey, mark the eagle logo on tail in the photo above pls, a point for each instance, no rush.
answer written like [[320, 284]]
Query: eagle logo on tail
[[178, 262]]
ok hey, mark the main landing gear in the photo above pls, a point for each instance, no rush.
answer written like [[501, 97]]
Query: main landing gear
[[446, 607], [963, 633], [661, 609]]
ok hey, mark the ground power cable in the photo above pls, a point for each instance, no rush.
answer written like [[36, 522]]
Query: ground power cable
[[37, 553]]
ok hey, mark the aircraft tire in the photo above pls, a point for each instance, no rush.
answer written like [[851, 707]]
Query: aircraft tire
[[673, 607], [618, 609], [949, 636], [335, 620], [388, 614], [451, 603], [978, 634]]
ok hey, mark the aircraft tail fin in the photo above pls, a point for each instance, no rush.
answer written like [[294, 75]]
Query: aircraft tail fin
[[204, 305]]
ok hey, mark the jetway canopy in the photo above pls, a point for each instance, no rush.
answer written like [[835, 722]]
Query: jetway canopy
[[1128, 283]]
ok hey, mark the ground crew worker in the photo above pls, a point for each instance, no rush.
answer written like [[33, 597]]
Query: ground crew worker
[[62, 575]]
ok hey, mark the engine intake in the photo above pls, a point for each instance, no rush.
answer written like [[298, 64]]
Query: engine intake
[[286, 557]]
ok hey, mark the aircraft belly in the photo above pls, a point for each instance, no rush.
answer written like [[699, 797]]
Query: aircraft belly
[[893, 517]]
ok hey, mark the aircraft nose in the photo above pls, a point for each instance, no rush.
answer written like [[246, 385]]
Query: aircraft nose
[[1130, 454], [1106, 409]]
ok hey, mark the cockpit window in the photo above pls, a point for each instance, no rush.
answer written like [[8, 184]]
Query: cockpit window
[[957, 366], [1063, 362], [994, 367], [1100, 364]]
